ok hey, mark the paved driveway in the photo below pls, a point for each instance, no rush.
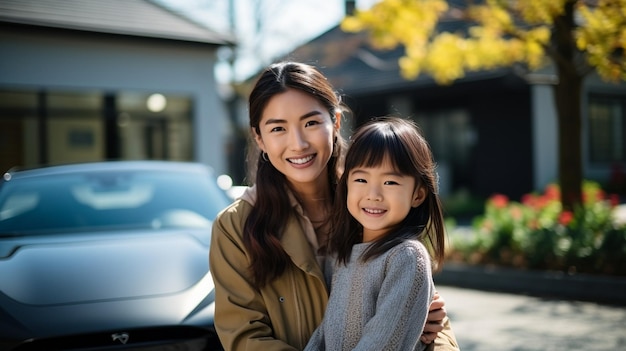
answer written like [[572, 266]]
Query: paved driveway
[[488, 321]]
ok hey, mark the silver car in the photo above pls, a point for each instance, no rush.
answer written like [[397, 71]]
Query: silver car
[[107, 256]]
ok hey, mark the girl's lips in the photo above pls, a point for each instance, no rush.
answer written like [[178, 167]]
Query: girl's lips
[[374, 211]]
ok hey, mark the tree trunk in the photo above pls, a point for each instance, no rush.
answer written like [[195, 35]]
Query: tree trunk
[[567, 94], [568, 101]]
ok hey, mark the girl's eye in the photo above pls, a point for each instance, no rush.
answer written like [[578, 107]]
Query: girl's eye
[[311, 123], [391, 182], [359, 180], [277, 129]]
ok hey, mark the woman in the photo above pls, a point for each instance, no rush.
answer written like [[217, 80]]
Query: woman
[[267, 248]]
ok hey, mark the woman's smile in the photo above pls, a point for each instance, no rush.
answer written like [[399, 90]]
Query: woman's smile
[[301, 160]]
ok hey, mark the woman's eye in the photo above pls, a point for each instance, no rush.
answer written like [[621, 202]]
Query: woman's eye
[[277, 129], [311, 123]]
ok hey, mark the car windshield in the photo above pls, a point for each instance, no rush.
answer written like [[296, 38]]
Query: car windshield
[[108, 201]]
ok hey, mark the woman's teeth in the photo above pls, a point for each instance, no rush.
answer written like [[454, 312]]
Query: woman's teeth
[[300, 161]]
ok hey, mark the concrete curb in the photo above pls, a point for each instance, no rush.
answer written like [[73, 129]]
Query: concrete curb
[[585, 287]]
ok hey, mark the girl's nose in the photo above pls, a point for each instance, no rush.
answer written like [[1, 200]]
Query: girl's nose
[[375, 194]]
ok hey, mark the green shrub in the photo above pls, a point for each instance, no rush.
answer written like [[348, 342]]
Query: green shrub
[[536, 233]]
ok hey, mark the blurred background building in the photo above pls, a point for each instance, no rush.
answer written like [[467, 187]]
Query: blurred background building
[[88, 80]]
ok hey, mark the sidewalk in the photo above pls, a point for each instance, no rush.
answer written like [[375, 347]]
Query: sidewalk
[[559, 285], [487, 321]]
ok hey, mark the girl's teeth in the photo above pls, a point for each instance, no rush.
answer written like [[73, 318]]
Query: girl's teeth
[[373, 211]]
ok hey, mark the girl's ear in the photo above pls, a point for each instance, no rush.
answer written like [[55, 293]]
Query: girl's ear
[[419, 195], [258, 140]]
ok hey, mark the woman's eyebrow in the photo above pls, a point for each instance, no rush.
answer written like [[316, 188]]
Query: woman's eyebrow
[[305, 116], [275, 121], [311, 114]]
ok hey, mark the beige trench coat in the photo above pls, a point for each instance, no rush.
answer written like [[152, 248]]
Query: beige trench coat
[[284, 313]]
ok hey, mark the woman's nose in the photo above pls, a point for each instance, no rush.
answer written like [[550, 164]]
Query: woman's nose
[[298, 141]]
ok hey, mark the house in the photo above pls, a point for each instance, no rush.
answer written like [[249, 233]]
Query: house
[[490, 132], [89, 80]]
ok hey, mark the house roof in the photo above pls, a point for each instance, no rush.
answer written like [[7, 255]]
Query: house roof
[[354, 66], [143, 18], [349, 62]]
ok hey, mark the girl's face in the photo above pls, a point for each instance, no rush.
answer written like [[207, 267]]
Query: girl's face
[[297, 133], [379, 198]]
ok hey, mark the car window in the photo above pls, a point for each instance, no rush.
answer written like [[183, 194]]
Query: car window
[[109, 200], [18, 203], [113, 197]]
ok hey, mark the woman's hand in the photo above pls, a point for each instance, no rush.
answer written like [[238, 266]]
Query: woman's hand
[[434, 321]]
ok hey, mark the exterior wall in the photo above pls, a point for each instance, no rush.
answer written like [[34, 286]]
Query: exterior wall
[[545, 136], [54, 59]]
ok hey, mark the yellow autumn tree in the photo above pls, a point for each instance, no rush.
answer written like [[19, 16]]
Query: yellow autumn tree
[[575, 36]]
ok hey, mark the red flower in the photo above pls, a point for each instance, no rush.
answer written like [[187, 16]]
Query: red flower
[[528, 200], [553, 192], [543, 201], [614, 198], [566, 217], [499, 200]]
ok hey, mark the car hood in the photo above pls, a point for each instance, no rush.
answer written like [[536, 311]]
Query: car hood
[[122, 281]]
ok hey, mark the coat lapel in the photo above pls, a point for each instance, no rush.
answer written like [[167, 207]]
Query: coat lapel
[[298, 248]]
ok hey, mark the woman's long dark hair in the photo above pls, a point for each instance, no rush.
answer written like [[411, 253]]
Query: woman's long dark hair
[[264, 225], [399, 141]]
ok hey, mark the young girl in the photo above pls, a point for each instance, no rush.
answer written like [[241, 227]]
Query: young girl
[[386, 206]]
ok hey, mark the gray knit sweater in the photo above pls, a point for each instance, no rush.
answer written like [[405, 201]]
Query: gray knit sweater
[[378, 305]]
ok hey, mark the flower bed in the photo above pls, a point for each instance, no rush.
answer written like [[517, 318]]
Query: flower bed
[[536, 233]]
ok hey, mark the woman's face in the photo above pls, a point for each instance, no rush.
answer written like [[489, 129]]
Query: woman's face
[[297, 133]]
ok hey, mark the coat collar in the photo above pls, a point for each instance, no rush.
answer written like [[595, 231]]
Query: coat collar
[[298, 239]]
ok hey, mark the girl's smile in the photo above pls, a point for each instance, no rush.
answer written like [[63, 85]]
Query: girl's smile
[[374, 211]]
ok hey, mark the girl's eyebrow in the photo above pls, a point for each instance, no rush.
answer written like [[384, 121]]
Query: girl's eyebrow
[[363, 171], [357, 171], [305, 116]]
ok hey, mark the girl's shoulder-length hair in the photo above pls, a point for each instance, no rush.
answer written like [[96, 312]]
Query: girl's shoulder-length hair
[[400, 142]]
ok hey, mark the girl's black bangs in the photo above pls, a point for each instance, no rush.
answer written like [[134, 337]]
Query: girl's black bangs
[[373, 149]]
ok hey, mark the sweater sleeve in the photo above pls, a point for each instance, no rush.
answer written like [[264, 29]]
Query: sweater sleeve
[[316, 342], [402, 303], [241, 318]]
